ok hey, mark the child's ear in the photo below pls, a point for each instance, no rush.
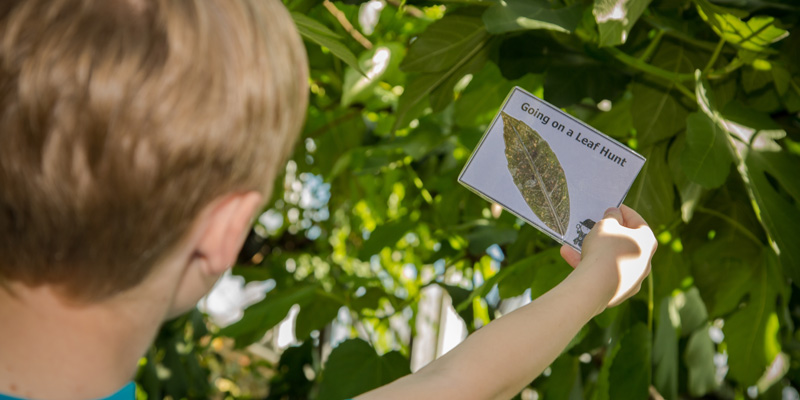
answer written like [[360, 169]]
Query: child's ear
[[224, 231]]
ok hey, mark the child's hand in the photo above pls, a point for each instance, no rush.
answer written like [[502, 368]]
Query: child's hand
[[616, 253]]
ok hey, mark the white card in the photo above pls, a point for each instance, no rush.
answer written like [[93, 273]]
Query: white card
[[550, 169]]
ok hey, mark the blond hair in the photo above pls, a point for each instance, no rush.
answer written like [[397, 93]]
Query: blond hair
[[120, 120]]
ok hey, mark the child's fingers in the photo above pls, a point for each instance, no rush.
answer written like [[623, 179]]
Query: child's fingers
[[570, 255], [632, 219], [614, 213]]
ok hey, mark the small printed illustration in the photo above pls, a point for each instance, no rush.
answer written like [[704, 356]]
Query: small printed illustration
[[537, 173], [588, 224]]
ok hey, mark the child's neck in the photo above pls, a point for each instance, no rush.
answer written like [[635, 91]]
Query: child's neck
[[55, 350]]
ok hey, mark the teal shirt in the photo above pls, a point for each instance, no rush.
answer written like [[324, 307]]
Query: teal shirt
[[126, 393]]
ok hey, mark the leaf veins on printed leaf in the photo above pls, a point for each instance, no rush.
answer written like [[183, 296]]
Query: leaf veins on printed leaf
[[537, 173]]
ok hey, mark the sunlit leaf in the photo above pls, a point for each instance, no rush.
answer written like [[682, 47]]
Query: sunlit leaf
[[615, 18], [516, 15]]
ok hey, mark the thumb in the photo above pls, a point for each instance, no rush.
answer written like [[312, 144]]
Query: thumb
[[614, 213]]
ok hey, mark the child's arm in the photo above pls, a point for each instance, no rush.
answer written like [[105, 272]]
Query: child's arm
[[498, 360]]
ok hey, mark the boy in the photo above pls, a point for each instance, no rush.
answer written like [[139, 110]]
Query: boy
[[138, 139]]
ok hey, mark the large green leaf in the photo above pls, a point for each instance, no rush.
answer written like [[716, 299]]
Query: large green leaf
[[262, 316], [652, 193], [615, 18], [706, 159], [658, 109], [516, 15], [665, 351], [315, 315], [321, 35], [354, 368], [445, 43], [751, 332], [775, 185], [453, 57], [626, 368]]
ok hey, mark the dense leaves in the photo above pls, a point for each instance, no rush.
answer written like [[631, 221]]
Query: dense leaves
[[369, 222]]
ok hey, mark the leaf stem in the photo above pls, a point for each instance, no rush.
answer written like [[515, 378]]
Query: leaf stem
[[640, 65], [651, 48], [714, 56], [732, 222], [650, 304]]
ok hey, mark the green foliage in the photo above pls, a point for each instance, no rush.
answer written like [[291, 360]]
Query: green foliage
[[372, 215]]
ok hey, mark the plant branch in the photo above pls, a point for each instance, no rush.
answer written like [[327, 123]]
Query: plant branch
[[651, 48], [339, 15], [640, 65]]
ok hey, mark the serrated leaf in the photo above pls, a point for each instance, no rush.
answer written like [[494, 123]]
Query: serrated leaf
[[321, 35], [537, 173], [517, 15], [615, 18], [354, 368], [706, 159]]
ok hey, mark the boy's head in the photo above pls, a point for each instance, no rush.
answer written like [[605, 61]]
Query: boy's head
[[121, 120]]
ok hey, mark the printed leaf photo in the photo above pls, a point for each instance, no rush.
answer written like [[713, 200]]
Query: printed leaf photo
[[537, 173]]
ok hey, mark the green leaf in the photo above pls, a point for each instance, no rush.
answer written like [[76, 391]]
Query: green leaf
[[484, 236], [775, 186], [692, 310], [321, 35], [652, 193], [444, 43], [379, 61], [262, 316], [688, 190], [615, 18], [354, 368], [454, 59], [699, 360], [385, 235], [485, 93], [563, 377], [751, 332], [626, 373], [756, 34], [706, 158], [539, 272], [315, 315], [665, 351], [658, 110], [517, 15]]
